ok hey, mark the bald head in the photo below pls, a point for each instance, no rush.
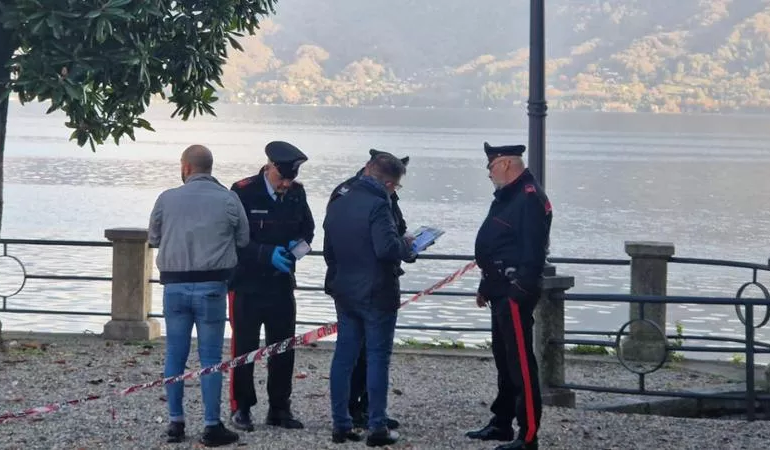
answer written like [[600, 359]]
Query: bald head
[[198, 158]]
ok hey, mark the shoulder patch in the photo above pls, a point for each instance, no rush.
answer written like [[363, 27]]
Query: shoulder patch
[[244, 182], [530, 188], [548, 207]]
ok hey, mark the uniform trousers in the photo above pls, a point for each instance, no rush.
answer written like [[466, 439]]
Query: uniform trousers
[[276, 309], [518, 385]]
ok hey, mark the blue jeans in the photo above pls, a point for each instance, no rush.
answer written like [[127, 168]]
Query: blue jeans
[[353, 326], [205, 306]]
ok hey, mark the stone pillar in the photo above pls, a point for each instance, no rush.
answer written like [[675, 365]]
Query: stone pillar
[[131, 290], [549, 325], [649, 273]]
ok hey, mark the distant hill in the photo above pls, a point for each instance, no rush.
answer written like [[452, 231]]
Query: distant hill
[[618, 55]]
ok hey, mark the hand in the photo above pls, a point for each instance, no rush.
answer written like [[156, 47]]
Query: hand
[[280, 260], [293, 244], [409, 239], [481, 302]]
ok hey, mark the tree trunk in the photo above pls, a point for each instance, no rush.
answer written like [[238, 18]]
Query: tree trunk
[[6, 51]]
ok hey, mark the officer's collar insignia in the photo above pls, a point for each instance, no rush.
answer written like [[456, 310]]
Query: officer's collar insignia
[[530, 188]]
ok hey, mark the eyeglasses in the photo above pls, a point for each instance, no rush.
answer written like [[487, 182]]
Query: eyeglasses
[[396, 186]]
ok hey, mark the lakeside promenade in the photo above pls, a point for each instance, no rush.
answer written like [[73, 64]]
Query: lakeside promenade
[[437, 394]]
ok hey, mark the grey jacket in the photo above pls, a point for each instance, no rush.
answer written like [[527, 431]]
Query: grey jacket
[[197, 227]]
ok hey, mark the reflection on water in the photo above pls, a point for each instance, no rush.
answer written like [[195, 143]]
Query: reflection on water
[[610, 180]]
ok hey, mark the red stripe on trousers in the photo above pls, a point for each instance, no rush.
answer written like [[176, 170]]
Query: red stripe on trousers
[[233, 352], [525, 376]]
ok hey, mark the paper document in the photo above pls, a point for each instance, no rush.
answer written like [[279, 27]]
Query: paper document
[[425, 236], [300, 249]]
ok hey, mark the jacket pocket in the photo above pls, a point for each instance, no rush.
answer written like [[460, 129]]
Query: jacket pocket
[[386, 289]]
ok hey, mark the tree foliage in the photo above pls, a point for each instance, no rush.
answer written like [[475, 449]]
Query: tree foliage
[[102, 61]]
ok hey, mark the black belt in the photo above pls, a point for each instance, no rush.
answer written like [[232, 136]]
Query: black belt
[[505, 274]]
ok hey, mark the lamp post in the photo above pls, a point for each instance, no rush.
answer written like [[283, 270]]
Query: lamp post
[[536, 104]]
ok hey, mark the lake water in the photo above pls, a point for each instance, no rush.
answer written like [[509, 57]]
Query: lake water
[[698, 181]]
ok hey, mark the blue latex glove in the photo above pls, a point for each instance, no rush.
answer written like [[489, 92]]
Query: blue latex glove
[[292, 244], [280, 260]]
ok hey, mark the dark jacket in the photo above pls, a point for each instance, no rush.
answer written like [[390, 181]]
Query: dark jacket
[[514, 239], [342, 189], [362, 243], [272, 223]]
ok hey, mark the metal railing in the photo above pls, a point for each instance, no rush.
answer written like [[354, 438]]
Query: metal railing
[[32, 276], [77, 243], [749, 345]]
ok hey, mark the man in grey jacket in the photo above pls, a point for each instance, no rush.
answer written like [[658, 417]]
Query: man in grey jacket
[[197, 227]]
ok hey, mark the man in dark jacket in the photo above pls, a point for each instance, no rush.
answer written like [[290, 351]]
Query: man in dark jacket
[[262, 290], [511, 248], [359, 400], [362, 243]]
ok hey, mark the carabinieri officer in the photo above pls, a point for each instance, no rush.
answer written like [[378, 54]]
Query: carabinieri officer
[[511, 248], [262, 289]]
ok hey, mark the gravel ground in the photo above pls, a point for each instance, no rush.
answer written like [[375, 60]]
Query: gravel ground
[[437, 398]]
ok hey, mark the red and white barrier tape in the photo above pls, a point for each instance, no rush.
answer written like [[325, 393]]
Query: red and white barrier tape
[[270, 350]]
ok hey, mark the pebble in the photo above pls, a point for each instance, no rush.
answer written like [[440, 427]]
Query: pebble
[[436, 398]]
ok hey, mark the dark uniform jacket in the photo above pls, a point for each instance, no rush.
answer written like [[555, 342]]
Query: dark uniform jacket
[[512, 242], [342, 189], [272, 223], [361, 241]]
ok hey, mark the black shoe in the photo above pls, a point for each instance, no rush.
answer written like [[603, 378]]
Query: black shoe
[[381, 437], [518, 444], [175, 432], [339, 436], [492, 432], [217, 436], [241, 420], [283, 419], [361, 420]]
